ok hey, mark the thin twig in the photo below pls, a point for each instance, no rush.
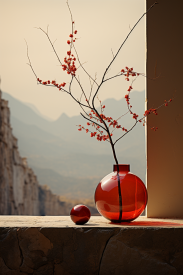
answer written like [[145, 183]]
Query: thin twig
[[127, 38], [30, 60], [92, 84], [51, 44], [125, 133], [82, 65]]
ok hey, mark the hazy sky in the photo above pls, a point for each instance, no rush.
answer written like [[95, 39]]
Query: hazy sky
[[102, 25]]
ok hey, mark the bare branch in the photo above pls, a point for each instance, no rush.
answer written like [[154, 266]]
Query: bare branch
[[72, 22], [102, 81], [81, 89], [92, 84], [30, 60], [125, 133], [70, 84], [126, 39], [82, 66], [46, 33], [83, 110], [122, 116]]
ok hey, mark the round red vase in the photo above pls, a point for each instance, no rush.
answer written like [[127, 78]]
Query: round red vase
[[80, 214], [133, 193]]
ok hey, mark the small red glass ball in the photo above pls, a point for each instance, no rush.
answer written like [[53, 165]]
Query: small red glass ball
[[80, 214]]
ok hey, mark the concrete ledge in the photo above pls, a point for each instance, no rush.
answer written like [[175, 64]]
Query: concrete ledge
[[54, 245]]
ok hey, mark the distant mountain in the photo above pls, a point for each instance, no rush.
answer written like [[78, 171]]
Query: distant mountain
[[63, 156], [65, 127], [38, 141], [23, 112], [37, 111]]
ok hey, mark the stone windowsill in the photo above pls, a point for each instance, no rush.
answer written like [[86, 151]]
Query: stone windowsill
[[94, 222], [52, 245]]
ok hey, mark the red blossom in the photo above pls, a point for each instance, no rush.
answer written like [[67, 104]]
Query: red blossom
[[135, 116]]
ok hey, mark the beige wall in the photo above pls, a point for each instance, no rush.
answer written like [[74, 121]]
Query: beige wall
[[165, 146]]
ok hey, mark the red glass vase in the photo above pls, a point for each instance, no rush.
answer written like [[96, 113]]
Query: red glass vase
[[133, 195]]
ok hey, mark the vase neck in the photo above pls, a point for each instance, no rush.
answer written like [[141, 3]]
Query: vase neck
[[122, 168]]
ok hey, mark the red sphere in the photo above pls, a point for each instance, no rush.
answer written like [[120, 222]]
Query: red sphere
[[80, 214], [133, 192]]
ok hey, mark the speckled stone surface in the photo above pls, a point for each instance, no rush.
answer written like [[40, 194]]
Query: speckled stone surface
[[55, 245]]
